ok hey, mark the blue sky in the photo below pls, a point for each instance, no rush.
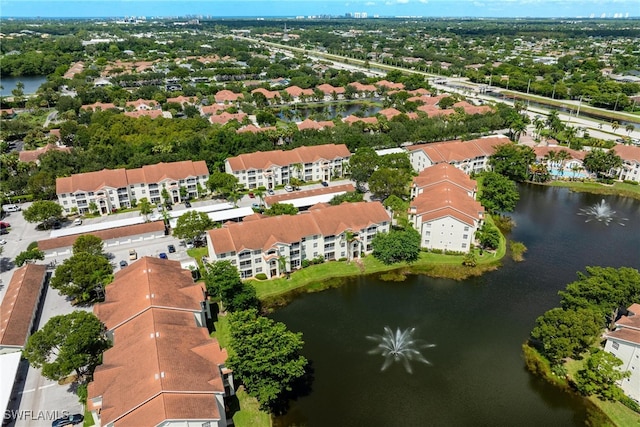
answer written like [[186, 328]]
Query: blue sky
[[266, 8]]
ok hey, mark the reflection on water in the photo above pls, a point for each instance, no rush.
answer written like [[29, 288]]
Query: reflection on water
[[478, 375]]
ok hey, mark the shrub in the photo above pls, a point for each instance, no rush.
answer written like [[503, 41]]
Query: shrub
[[306, 263], [517, 251], [261, 276], [32, 246], [470, 260]]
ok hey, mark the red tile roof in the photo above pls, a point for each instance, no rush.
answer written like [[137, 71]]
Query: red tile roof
[[328, 89], [162, 366], [267, 93], [362, 87], [18, 308], [458, 151], [297, 91], [265, 159], [255, 129], [34, 155], [118, 178], [444, 172], [225, 117], [312, 124], [389, 113], [226, 95], [628, 152], [390, 85], [354, 119], [264, 233], [446, 199], [140, 103], [99, 105], [182, 100], [211, 109], [541, 152], [141, 113]]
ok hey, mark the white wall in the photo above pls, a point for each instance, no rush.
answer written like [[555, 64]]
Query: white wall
[[630, 355]]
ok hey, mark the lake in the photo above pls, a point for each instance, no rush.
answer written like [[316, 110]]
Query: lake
[[477, 376], [31, 84]]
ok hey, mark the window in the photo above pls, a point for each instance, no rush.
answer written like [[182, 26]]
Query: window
[[615, 345], [257, 260], [464, 245], [465, 236], [258, 269], [466, 228], [315, 245], [144, 191], [90, 193]]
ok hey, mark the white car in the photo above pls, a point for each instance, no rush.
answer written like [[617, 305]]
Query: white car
[[3, 242], [77, 221], [288, 188]]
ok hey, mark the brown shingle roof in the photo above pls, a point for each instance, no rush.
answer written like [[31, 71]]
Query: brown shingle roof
[[112, 233], [264, 159], [263, 233], [18, 307]]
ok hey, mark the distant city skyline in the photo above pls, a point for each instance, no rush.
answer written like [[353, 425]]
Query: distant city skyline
[[307, 8]]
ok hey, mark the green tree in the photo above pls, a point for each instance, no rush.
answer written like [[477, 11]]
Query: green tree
[[29, 255], [266, 358], [600, 162], [600, 375], [88, 244], [223, 280], [281, 209], [145, 207], [42, 211], [362, 164], [386, 182], [488, 236], [67, 343], [499, 194], [83, 277], [166, 197], [222, 183], [512, 161], [42, 185], [602, 289], [350, 197], [564, 333], [192, 225], [397, 246]]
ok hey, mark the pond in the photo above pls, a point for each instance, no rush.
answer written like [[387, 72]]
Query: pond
[[31, 84], [329, 112], [477, 374]]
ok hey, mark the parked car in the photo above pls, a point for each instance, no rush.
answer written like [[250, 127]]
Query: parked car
[[187, 204], [169, 207], [123, 264], [77, 221], [324, 183], [133, 254], [255, 206], [4, 224], [163, 255], [68, 420], [171, 249], [11, 208], [3, 242], [288, 188], [271, 192], [251, 195]]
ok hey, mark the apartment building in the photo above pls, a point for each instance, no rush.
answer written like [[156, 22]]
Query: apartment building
[[271, 168], [113, 189], [163, 367], [630, 169], [280, 244], [469, 156], [444, 210], [624, 343]]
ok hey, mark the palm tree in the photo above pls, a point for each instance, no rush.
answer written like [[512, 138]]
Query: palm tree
[[538, 172], [538, 123], [297, 167], [562, 157], [615, 125], [233, 197], [551, 157], [259, 193], [575, 168], [629, 128], [570, 132], [349, 237]]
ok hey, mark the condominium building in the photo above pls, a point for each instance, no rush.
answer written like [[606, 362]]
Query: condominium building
[[113, 189], [271, 168], [469, 156], [624, 343], [280, 244], [163, 367], [444, 210]]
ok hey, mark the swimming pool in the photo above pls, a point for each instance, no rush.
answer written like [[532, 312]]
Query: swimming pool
[[568, 173]]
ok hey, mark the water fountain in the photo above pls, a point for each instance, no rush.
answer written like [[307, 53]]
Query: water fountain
[[601, 212], [399, 346]]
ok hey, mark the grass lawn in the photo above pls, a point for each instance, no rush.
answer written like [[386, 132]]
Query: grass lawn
[[618, 188], [88, 418], [249, 414], [618, 414], [198, 253]]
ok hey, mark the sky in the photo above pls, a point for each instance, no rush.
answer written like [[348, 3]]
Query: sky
[[291, 8]]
